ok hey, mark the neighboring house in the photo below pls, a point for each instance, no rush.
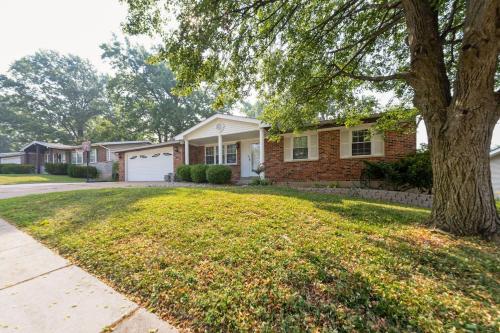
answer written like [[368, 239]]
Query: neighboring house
[[102, 155], [12, 158], [330, 152], [495, 171]]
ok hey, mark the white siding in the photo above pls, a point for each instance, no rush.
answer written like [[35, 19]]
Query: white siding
[[495, 175], [10, 160], [228, 127]]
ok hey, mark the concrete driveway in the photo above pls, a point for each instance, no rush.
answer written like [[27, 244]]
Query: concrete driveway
[[42, 292], [10, 191]]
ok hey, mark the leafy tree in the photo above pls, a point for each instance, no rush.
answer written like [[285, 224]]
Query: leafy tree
[[49, 96], [301, 55], [252, 110], [143, 93]]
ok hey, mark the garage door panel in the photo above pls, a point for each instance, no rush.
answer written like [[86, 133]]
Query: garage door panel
[[149, 165]]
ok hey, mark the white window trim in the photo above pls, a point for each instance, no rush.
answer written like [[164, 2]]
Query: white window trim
[[357, 128], [309, 141], [108, 155], [93, 160], [216, 156], [63, 157], [77, 154]]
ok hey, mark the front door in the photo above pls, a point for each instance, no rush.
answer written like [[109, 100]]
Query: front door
[[250, 152]]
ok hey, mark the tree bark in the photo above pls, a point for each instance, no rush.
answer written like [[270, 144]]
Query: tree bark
[[463, 203], [459, 126]]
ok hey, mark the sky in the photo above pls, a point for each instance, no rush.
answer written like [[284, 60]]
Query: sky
[[77, 27]]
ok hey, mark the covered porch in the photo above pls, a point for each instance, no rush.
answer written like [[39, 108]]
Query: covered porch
[[237, 142]]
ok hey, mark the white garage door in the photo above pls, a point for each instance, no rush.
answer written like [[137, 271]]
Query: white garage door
[[149, 165], [10, 160]]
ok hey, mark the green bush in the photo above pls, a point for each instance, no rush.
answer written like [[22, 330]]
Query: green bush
[[218, 174], [115, 171], [17, 168], [79, 171], [199, 173], [184, 173], [56, 168], [412, 171]]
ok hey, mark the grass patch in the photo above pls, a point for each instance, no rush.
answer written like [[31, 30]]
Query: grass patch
[[12, 179], [270, 259]]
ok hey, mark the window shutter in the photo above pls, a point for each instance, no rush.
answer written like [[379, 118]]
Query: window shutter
[[287, 148], [313, 146], [345, 143], [377, 144]]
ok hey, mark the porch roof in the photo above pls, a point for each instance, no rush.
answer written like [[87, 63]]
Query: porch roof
[[220, 124], [49, 145]]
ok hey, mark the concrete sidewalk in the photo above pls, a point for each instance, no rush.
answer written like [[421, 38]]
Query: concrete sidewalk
[[44, 293]]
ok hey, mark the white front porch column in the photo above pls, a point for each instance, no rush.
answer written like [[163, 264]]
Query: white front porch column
[[186, 152], [221, 161], [262, 134]]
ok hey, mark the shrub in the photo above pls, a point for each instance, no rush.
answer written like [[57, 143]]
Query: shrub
[[260, 182], [56, 168], [199, 173], [412, 171], [115, 171], [184, 173], [79, 171], [17, 168], [219, 174]]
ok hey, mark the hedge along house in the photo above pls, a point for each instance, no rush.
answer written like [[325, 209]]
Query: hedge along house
[[330, 152], [38, 153], [102, 155]]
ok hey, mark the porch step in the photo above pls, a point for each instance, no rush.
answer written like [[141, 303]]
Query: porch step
[[245, 180]]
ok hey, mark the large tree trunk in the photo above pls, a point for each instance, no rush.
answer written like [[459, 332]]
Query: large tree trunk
[[464, 202], [459, 126]]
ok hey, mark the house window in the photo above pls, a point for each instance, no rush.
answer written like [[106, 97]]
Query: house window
[[108, 155], [210, 155], [93, 156], [231, 154], [47, 158], [62, 157], [300, 151], [77, 157], [361, 144]]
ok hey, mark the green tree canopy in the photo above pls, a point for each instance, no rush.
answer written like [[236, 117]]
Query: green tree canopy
[[315, 57], [142, 94], [49, 96]]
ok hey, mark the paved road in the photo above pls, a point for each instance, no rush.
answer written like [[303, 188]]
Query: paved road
[[9, 191], [42, 292]]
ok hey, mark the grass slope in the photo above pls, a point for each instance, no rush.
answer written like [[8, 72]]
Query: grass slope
[[247, 259], [12, 179]]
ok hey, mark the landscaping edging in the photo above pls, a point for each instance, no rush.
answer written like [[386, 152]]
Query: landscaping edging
[[407, 198]]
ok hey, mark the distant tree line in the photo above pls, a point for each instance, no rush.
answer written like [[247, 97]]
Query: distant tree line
[[62, 98]]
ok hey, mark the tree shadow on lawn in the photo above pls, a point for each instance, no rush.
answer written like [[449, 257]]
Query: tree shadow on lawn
[[77, 208], [331, 293]]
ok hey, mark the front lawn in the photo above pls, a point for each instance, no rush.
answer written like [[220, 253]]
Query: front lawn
[[268, 259], [12, 179]]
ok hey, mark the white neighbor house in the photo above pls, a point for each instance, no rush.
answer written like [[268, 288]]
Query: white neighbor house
[[495, 171]]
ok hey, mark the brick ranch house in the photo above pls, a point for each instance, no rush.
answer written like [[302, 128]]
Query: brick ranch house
[[102, 155], [327, 153]]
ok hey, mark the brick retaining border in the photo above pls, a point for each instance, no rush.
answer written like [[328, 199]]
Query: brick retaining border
[[407, 198]]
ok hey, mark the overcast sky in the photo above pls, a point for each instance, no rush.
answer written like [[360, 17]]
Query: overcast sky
[[73, 26]]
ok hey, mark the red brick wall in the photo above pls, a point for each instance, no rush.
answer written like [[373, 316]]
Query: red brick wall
[[121, 167], [329, 166]]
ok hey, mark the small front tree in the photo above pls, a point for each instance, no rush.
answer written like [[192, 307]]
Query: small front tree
[[314, 57]]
